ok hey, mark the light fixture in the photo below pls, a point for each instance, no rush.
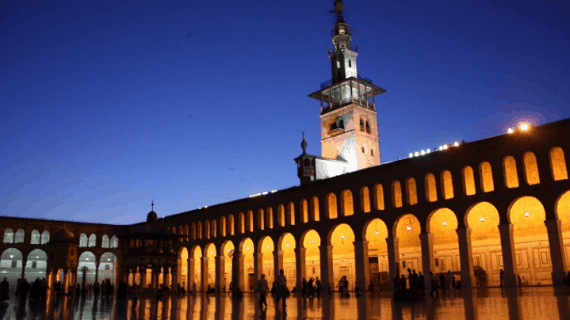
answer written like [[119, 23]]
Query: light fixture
[[342, 236], [247, 248], [526, 214], [108, 259], [411, 155], [422, 152], [287, 245], [37, 257], [11, 256], [444, 223], [416, 154], [524, 127], [455, 144], [312, 241], [482, 219], [440, 148], [376, 232], [229, 250], [409, 228], [86, 258], [445, 147], [510, 130], [428, 151], [211, 252], [267, 247]]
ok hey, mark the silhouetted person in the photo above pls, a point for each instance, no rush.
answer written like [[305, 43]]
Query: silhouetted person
[[24, 288], [262, 288], [501, 276], [318, 285], [281, 282], [4, 290]]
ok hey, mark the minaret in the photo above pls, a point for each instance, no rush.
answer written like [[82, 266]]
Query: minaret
[[349, 125]]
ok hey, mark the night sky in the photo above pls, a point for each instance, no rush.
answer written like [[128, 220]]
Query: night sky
[[107, 105]]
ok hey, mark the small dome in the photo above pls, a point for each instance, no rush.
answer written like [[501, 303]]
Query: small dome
[[151, 217], [64, 235]]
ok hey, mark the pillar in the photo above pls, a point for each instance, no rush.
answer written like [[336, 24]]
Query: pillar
[[154, 277], [65, 281], [426, 240], [361, 265], [24, 262], [96, 272], [393, 260], [220, 272], [142, 275], [278, 264], [236, 266], [204, 273], [466, 257], [166, 279], [508, 248], [556, 251], [191, 274], [327, 281], [300, 265]]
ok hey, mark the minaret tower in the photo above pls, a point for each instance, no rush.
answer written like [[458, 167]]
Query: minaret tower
[[349, 125]]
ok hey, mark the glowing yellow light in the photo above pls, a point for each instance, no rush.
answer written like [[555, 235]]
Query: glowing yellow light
[[267, 247], [526, 214], [445, 147], [411, 155], [455, 144], [428, 151], [482, 219], [444, 223], [422, 152], [440, 148], [524, 127], [342, 236], [247, 248], [287, 245], [376, 232], [211, 252], [409, 228], [510, 130], [229, 250], [416, 154], [312, 241]]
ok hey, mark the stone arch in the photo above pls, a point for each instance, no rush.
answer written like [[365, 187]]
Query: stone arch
[[105, 241], [114, 242], [304, 211], [346, 203], [20, 236], [210, 272], [35, 239], [311, 242], [486, 174], [331, 206], [266, 247], [442, 224], [411, 192], [223, 226], [530, 168], [107, 264], [446, 185], [483, 220], [314, 213], [396, 194], [36, 265], [246, 271], [290, 214], [364, 199], [87, 266], [557, 164], [83, 240], [231, 225], [45, 237], [8, 235], [92, 241], [407, 229], [260, 220], [195, 272], [227, 251], [510, 172], [431, 188], [12, 260], [468, 181], [341, 238], [287, 244], [375, 232], [182, 268], [378, 197], [527, 215]]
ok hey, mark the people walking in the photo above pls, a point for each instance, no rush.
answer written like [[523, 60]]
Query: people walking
[[263, 289], [281, 282]]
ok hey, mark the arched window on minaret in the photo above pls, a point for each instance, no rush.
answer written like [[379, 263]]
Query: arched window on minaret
[[361, 125], [367, 127], [341, 124]]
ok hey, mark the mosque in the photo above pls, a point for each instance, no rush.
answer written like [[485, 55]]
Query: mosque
[[484, 210]]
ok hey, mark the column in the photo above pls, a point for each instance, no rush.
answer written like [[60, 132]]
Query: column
[[361, 265], [278, 264], [426, 240], [65, 281], [24, 262], [191, 274], [236, 266], [50, 277], [508, 248], [166, 272], [556, 251], [142, 275], [204, 273], [173, 282], [220, 266], [300, 265], [466, 257], [154, 277], [97, 271], [257, 268], [393, 260], [327, 281]]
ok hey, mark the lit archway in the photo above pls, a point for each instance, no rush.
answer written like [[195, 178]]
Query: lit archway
[[266, 247], [196, 268], [228, 250], [407, 229], [246, 273], [287, 245], [36, 265], [483, 220], [442, 224], [182, 268], [211, 253], [107, 264], [11, 261], [532, 250], [376, 232], [342, 240], [311, 241], [86, 267]]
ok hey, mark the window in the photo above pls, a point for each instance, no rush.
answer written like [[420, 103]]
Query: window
[[349, 63], [371, 152], [341, 124], [363, 150], [367, 127], [361, 125], [338, 64], [107, 267], [34, 264]]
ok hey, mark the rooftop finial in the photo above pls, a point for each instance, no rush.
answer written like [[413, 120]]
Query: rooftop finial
[[304, 144], [339, 7], [152, 205]]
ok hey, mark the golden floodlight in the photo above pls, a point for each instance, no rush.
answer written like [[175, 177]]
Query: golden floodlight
[[409, 228], [524, 127], [510, 130], [444, 223]]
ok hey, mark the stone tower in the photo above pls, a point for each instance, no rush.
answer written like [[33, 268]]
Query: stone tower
[[349, 125]]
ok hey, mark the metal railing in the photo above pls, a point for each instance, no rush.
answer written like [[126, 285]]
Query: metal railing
[[330, 81]]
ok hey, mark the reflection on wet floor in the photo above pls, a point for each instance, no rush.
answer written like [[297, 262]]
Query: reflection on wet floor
[[494, 303]]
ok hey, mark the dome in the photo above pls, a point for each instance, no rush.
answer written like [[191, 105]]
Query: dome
[[151, 217], [64, 235]]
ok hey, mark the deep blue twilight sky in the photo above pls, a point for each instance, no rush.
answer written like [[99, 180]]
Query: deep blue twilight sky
[[107, 105]]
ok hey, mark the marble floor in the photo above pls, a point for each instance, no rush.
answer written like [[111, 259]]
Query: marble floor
[[493, 303]]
